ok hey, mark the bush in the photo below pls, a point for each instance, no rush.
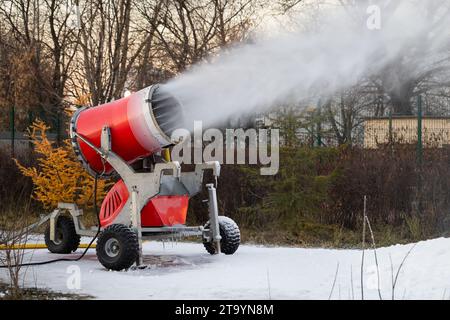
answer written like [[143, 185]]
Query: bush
[[399, 189], [321, 187], [58, 176]]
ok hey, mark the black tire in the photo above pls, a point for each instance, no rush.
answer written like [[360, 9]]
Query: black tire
[[231, 236], [117, 247], [67, 240]]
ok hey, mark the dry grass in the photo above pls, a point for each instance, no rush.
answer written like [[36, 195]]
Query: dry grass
[[39, 294]]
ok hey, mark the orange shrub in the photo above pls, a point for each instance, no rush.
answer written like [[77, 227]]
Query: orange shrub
[[58, 176]]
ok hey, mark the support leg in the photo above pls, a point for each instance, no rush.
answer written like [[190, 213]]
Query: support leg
[[53, 217], [136, 222], [214, 217]]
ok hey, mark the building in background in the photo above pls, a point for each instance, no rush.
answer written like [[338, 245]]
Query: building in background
[[435, 131]]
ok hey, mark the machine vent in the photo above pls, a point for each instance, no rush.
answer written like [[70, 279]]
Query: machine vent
[[167, 111], [111, 204]]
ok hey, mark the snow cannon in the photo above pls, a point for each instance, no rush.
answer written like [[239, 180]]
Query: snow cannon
[[129, 141], [140, 124]]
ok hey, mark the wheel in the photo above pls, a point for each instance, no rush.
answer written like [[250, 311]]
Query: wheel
[[66, 237], [231, 236], [117, 247]]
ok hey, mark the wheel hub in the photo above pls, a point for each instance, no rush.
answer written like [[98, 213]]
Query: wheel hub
[[112, 247]]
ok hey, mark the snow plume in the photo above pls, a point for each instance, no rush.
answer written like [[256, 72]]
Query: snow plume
[[351, 43]]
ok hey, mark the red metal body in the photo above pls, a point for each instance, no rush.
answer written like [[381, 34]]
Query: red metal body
[[164, 210], [135, 134]]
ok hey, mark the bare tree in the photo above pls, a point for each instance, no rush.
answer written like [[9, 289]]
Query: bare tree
[[346, 112], [23, 79], [63, 45], [149, 66], [188, 31], [40, 48], [114, 45], [422, 66]]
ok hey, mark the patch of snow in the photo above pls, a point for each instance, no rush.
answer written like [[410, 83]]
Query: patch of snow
[[187, 271]]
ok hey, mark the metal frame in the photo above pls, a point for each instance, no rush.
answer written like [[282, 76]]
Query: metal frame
[[142, 186]]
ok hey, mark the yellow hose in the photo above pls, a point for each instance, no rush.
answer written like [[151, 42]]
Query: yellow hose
[[37, 246], [166, 154]]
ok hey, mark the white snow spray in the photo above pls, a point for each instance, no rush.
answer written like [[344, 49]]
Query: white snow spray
[[296, 66]]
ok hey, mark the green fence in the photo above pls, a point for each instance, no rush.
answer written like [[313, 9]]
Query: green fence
[[13, 128]]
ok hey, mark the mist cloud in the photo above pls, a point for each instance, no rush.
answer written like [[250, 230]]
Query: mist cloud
[[294, 66]]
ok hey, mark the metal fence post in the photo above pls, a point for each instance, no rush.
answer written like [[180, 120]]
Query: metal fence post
[[13, 129], [391, 138], [30, 123], [319, 125]]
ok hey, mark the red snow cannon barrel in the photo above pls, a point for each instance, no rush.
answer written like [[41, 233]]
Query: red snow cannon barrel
[[140, 125]]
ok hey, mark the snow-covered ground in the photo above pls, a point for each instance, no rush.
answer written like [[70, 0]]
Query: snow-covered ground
[[186, 271]]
